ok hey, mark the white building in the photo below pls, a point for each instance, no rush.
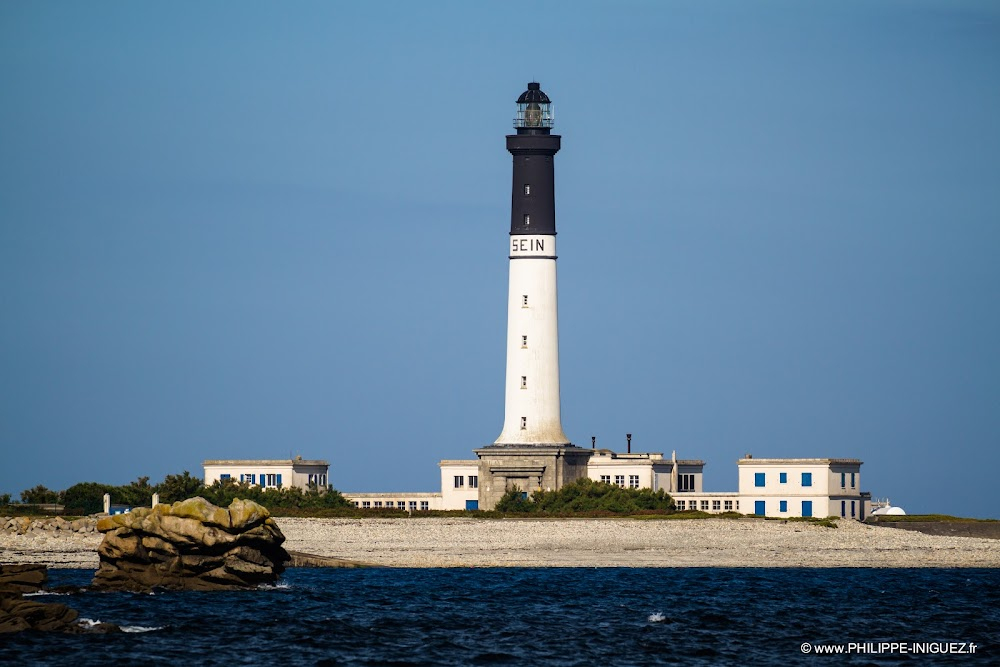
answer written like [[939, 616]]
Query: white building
[[646, 471], [269, 473], [803, 488]]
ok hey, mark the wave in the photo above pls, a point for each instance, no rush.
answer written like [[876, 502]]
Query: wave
[[89, 623], [656, 617]]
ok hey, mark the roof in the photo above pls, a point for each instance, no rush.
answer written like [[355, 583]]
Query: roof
[[458, 462], [798, 462], [265, 462], [533, 94]]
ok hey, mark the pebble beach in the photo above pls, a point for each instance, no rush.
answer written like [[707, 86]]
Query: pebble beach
[[467, 542]]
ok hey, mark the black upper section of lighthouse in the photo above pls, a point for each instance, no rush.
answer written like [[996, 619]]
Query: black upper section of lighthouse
[[533, 197]]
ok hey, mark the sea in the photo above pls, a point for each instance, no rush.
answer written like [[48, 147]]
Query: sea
[[541, 616]]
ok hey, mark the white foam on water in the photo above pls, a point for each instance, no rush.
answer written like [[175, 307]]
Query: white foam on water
[[281, 585], [31, 595], [87, 622], [656, 617], [140, 628]]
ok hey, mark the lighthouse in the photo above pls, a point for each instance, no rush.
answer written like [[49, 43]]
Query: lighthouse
[[532, 451]]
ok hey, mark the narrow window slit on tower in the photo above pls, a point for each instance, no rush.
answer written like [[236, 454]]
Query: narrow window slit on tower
[[527, 189], [527, 219], [524, 423], [524, 382], [524, 301]]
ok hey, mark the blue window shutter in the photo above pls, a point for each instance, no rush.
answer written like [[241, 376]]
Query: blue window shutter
[[807, 479], [807, 508], [843, 480], [843, 508], [263, 479], [852, 480], [852, 509], [782, 505], [279, 479], [783, 477], [758, 507], [758, 479]]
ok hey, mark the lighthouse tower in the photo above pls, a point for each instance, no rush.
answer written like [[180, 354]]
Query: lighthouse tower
[[532, 451]]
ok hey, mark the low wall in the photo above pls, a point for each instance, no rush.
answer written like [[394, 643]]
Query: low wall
[[26, 525]]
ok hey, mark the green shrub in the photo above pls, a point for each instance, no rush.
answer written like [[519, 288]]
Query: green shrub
[[585, 496]]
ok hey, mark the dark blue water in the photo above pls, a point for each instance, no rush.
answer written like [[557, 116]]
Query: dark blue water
[[536, 616]]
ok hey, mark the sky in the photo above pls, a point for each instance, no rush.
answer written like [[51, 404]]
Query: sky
[[256, 230]]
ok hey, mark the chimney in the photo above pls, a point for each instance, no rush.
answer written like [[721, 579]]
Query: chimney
[[593, 442], [628, 437]]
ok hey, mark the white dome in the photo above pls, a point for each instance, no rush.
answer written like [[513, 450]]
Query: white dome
[[897, 511]]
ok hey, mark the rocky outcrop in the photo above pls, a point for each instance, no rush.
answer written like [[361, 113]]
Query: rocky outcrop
[[190, 545], [18, 614]]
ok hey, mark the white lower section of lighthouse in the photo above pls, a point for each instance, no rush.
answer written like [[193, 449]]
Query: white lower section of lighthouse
[[531, 406]]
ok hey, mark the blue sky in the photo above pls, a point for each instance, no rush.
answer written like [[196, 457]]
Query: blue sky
[[254, 229]]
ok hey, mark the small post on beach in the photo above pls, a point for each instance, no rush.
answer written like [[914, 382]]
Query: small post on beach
[[156, 499], [107, 503]]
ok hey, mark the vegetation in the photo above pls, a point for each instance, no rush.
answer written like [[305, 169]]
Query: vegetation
[[88, 497], [585, 496]]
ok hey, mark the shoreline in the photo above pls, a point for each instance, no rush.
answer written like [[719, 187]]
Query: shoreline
[[470, 542]]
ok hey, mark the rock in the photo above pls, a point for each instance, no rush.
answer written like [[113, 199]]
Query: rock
[[190, 545], [18, 614], [20, 579]]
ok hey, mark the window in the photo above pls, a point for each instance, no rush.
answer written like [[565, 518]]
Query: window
[[729, 505], [716, 505], [225, 475], [782, 478], [527, 189], [425, 505], [633, 481], [401, 505], [704, 506], [807, 479], [605, 479], [782, 505], [758, 479], [524, 341], [378, 503], [524, 423], [524, 382], [473, 481], [459, 481], [680, 505], [807, 508], [852, 480], [249, 478], [527, 219], [413, 505], [685, 482], [843, 508], [852, 509], [524, 301], [366, 504], [843, 480], [620, 480]]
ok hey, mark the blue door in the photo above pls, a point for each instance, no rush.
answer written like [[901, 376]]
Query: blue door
[[807, 508], [758, 507], [471, 504]]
